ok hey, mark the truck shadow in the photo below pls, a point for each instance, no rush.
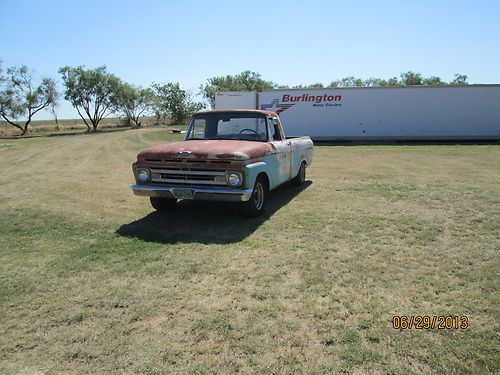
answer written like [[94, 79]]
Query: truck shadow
[[206, 222]]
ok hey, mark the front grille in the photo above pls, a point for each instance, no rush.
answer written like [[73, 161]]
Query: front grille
[[188, 176]]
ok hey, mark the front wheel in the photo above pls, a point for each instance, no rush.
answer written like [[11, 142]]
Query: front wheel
[[162, 204], [301, 176], [256, 204]]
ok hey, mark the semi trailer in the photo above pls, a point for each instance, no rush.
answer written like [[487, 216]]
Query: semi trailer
[[469, 112]]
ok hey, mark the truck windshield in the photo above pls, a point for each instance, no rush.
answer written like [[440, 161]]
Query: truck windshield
[[237, 126]]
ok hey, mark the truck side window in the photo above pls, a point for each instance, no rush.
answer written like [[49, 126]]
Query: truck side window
[[272, 131], [199, 128], [275, 130]]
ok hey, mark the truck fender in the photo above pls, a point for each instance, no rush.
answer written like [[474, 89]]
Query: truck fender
[[253, 170]]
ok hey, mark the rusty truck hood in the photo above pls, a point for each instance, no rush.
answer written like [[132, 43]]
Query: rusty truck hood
[[207, 149]]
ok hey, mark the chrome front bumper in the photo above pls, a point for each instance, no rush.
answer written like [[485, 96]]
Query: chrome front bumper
[[208, 194]]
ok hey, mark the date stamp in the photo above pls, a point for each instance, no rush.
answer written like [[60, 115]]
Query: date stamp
[[430, 322]]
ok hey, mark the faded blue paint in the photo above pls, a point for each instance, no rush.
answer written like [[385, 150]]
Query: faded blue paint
[[252, 170], [277, 169]]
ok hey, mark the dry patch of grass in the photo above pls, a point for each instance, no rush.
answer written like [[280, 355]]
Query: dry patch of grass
[[93, 282], [73, 126]]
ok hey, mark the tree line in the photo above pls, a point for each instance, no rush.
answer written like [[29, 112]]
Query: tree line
[[96, 93], [251, 81]]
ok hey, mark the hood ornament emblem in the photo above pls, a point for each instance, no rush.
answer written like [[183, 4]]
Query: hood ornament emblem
[[184, 154]]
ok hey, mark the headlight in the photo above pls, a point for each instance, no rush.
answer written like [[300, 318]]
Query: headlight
[[234, 178], [143, 174]]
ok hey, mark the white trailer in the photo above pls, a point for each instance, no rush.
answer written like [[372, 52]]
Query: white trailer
[[380, 113], [236, 100]]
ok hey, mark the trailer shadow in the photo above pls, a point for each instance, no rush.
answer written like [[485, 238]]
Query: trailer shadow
[[206, 222]]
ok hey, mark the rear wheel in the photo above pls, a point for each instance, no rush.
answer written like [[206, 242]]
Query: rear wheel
[[256, 204], [162, 204], [301, 176]]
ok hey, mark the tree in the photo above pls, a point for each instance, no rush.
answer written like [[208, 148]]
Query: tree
[[245, 81], [358, 82], [174, 102], [93, 91], [53, 110], [311, 86], [434, 81], [347, 82], [460, 79], [393, 82], [134, 102], [317, 85], [21, 98], [411, 79], [407, 79]]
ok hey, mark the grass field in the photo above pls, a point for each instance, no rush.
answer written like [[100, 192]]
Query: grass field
[[72, 126], [93, 281]]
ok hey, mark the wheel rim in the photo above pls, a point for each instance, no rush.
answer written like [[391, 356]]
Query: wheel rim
[[258, 196], [302, 172]]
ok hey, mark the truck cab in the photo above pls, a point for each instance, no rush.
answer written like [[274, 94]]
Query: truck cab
[[226, 155]]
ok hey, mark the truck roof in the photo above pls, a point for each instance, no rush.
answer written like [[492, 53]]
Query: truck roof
[[259, 111]]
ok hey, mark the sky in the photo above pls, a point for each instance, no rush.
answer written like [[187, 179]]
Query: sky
[[287, 42]]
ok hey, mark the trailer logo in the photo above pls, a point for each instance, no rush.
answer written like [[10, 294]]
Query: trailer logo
[[275, 106], [288, 101]]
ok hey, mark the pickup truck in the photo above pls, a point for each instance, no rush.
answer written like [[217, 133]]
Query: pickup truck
[[226, 155]]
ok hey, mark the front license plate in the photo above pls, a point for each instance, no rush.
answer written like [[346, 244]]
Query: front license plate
[[183, 193]]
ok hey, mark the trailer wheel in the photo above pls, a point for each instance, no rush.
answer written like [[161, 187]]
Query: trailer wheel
[[301, 176], [162, 204], [257, 202]]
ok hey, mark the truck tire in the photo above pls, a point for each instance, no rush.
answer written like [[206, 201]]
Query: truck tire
[[162, 204], [301, 176], [256, 204]]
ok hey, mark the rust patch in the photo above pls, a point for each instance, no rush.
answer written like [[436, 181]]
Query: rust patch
[[205, 150]]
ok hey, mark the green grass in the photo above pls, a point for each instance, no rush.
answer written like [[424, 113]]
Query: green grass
[[92, 281]]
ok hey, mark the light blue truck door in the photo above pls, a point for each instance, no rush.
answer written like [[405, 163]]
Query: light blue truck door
[[283, 152]]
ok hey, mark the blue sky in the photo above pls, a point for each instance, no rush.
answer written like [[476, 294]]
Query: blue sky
[[288, 42]]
